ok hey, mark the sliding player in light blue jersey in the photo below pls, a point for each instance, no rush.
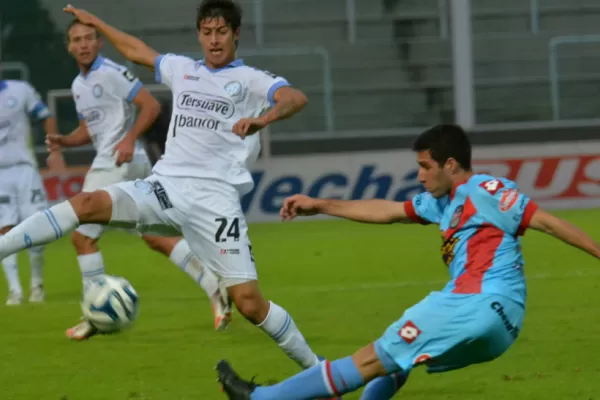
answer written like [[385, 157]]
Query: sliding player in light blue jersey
[[22, 190], [106, 95], [475, 318]]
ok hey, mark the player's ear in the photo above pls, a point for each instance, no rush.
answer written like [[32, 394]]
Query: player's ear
[[451, 166], [236, 34]]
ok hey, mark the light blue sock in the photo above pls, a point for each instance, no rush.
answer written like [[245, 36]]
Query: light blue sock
[[321, 381], [385, 387]]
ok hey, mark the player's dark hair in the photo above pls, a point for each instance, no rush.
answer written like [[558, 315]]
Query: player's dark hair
[[226, 9], [444, 142], [77, 22]]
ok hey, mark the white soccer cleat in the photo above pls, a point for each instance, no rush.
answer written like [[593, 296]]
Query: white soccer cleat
[[14, 299], [37, 295], [81, 331], [222, 311]]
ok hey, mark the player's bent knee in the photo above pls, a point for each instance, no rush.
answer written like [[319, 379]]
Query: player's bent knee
[[92, 207], [249, 301]]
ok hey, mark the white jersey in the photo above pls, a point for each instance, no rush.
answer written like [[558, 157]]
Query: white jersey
[[206, 105], [19, 101], [103, 98]]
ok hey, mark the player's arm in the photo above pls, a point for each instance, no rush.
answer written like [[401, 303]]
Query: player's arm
[[545, 222], [288, 101], [129, 46], [284, 102], [368, 211], [149, 110], [55, 160], [79, 137]]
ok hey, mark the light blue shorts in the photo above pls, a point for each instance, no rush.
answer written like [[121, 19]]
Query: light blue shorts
[[449, 331]]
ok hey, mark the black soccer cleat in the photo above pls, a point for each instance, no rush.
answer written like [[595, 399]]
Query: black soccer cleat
[[235, 387]]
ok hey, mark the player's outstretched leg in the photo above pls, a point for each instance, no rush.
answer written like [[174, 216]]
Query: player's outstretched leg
[[324, 380], [36, 261], [51, 224], [273, 320], [11, 271], [179, 252]]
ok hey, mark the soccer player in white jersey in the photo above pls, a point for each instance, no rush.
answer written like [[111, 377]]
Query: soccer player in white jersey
[[196, 186], [105, 94], [22, 191]]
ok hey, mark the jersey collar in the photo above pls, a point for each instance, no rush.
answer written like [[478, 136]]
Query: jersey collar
[[235, 63], [95, 65], [2, 85], [456, 185]]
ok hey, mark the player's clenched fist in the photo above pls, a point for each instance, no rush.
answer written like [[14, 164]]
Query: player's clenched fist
[[81, 15], [248, 126], [299, 205]]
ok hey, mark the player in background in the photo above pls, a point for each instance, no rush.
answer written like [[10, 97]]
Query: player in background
[[476, 317], [22, 190], [105, 94], [196, 186]]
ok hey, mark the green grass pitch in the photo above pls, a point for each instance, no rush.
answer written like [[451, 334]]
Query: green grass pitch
[[342, 282]]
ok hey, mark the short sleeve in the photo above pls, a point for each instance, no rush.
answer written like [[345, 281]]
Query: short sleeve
[[166, 65], [423, 209], [36, 108], [125, 85], [504, 206], [264, 85]]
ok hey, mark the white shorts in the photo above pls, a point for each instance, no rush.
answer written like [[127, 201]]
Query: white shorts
[[101, 178], [22, 194], [207, 212]]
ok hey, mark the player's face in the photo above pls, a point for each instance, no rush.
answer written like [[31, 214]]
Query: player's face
[[84, 44], [218, 42], [433, 177]]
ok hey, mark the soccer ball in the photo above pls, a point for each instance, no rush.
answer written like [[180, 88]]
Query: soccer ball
[[110, 304]]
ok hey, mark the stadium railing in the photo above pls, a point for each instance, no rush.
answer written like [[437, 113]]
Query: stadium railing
[[553, 45], [351, 17], [15, 66]]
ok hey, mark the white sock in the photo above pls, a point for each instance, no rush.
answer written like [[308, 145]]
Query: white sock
[[11, 270], [281, 327], [41, 228], [185, 259], [36, 260], [91, 266]]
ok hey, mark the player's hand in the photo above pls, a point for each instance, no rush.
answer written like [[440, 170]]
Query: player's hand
[[124, 151], [53, 142], [248, 126], [298, 205], [81, 15]]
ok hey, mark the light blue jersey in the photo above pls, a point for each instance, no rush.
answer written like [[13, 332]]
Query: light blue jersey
[[478, 315], [481, 222]]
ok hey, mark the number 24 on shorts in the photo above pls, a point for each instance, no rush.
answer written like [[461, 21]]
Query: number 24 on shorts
[[232, 232]]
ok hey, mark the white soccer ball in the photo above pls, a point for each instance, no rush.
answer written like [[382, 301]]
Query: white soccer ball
[[110, 304]]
